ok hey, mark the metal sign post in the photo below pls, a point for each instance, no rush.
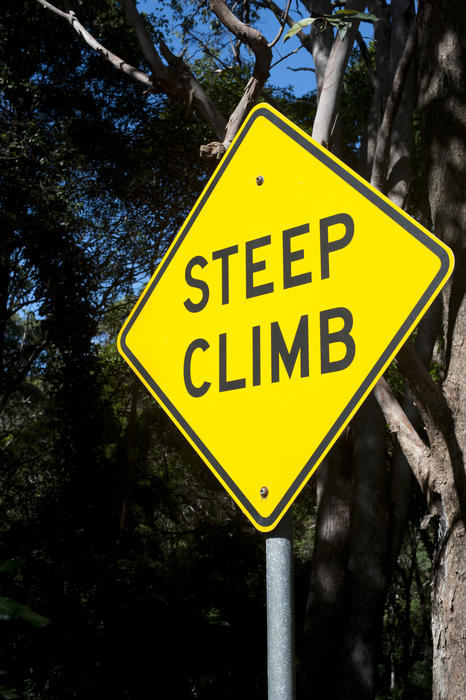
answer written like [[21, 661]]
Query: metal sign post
[[280, 611]]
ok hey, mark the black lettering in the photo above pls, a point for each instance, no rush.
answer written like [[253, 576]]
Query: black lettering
[[326, 246], [198, 284], [225, 384], [195, 391], [341, 336], [252, 267], [256, 355], [224, 255], [300, 345], [289, 256]]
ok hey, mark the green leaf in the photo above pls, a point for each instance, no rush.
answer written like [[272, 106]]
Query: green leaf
[[12, 610], [354, 14], [34, 618], [11, 566], [8, 693], [9, 609], [298, 26]]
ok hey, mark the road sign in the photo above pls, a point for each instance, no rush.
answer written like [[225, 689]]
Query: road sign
[[283, 298]]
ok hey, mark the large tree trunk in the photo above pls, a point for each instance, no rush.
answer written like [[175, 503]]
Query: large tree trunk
[[443, 113], [324, 609], [320, 42], [366, 576]]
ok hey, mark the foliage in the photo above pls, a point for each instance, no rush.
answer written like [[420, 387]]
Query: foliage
[[341, 19]]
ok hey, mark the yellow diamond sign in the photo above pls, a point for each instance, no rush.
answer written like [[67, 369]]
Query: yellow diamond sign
[[283, 298]]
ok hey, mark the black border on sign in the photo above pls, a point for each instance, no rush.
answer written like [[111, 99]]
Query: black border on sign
[[379, 202]]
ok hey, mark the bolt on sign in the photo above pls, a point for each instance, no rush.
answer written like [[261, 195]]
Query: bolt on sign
[[281, 301]]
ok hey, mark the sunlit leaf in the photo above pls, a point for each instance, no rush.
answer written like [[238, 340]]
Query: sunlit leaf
[[298, 26], [354, 14]]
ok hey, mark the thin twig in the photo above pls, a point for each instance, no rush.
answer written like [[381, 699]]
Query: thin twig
[[282, 21], [287, 56], [206, 49], [295, 70]]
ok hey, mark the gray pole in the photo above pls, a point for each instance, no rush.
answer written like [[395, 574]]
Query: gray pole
[[280, 612]]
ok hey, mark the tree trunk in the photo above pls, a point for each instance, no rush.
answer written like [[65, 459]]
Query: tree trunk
[[401, 142], [443, 119], [321, 42], [324, 609], [366, 577]]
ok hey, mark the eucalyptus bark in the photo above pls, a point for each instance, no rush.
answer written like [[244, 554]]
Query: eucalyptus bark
[[320, 42], [329, 103], [443, 119]]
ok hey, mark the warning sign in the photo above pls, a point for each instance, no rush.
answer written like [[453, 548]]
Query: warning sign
[[285, 295]]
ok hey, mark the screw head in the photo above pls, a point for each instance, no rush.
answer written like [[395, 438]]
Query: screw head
[[264, 492], [259, 180]]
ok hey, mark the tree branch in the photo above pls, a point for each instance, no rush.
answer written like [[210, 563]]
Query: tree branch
[[263, 55], [115, 60], [175, 80], [416, 452], [430, 397], [318, 43], [282, 21], [391, 108], [304, 37], [145, 42]]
